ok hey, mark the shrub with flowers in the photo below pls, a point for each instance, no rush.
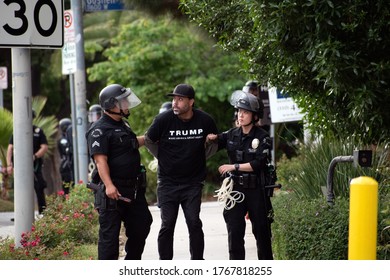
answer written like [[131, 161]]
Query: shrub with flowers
[[69, 221]]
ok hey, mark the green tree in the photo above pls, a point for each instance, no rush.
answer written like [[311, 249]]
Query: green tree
[[331, 56], [152, 56]]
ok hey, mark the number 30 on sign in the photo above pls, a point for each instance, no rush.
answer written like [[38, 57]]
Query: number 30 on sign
[[31, 23]]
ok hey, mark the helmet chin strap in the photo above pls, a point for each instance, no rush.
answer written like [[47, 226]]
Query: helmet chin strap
[[121, 113]]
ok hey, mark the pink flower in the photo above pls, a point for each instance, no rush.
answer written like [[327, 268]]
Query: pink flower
[[65, 253], [60, 193]]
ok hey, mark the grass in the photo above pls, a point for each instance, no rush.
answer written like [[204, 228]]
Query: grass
[[6, 206]]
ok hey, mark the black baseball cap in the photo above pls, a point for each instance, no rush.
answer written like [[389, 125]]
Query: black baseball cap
[[183, 90]]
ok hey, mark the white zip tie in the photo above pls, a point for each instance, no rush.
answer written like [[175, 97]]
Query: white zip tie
[[226, 194], [153, 165]]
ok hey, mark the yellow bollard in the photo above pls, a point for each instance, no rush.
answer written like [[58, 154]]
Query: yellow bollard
[[363, 218]]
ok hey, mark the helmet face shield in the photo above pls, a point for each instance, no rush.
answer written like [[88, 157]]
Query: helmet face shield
[[93, 116], [127, 100], [245, 101]]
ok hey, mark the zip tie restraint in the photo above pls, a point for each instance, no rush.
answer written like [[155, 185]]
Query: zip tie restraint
[[226, 194], [153, 165]]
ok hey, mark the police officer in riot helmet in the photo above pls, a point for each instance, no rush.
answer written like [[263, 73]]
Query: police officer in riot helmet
[[165, 107], [65, 151], [94, 113], [114, 148], [254, 88], [248, 149]]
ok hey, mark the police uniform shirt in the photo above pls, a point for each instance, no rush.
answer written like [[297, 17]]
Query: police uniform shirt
[[39, 138], [255, 146], [181, 150], [117, 141]]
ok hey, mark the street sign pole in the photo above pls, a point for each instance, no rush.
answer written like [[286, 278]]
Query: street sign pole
[[22, 141], [80, 92], [26, 24]]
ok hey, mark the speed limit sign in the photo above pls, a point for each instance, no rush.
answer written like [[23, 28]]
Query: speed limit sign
[[31, 23]]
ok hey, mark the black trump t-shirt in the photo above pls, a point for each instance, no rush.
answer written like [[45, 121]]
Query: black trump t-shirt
[[181, 145]]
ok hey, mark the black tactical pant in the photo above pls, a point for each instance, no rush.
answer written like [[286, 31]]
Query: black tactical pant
[[170, 197], [137, 221], [254, 205], [39, 187]]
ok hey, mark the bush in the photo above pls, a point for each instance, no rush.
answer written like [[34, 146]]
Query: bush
[[307, 173], [305, 226], [68, 221], [310, 229]]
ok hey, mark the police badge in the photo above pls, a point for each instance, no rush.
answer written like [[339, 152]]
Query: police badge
[[255, 143]]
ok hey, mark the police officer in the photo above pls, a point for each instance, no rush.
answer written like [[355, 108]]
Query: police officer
[[165, 107], [94, 113], [248, 148], [261, 92], [40, 147], [114, 148], [64, 149]]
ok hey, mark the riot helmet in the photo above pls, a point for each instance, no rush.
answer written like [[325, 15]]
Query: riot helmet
[[94, 113], [118, 96], [64, 124], [248, 102], [165, 107], [252, 87]]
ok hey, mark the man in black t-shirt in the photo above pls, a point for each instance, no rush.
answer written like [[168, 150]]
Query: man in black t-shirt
[[180, 134]]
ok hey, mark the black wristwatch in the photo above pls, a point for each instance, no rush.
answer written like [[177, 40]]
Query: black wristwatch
[[236, 166]]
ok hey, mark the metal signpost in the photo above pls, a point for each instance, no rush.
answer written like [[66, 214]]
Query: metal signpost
[[26, 24], [69, 67]]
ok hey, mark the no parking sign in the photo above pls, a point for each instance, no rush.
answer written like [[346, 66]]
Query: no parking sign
[[3, 78]]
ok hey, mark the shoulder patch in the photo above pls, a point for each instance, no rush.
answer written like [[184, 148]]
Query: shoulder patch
[[97, 132]]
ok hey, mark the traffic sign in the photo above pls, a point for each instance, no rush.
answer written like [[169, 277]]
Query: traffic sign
[[103, 5], [3, 78], [31, 23], [69, 63]]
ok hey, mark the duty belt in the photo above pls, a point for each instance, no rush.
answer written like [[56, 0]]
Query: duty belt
[[246, 180], [126, 182]]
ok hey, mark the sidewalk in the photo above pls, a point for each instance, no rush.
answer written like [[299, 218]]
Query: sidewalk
[[213, 226]]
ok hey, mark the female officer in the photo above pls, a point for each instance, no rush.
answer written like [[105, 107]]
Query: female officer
[[248, 148]]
